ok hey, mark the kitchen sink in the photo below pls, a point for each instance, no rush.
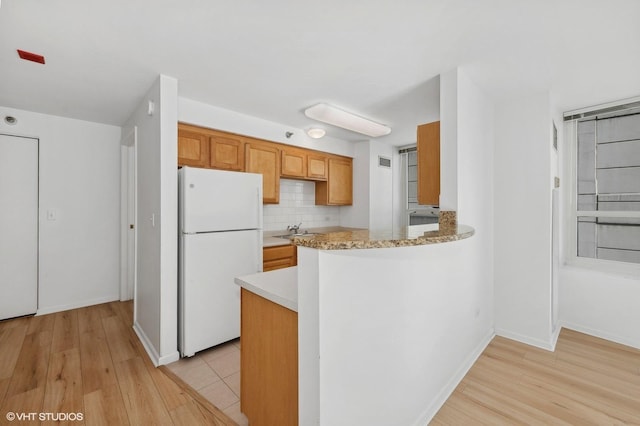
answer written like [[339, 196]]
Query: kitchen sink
[[299, 234]]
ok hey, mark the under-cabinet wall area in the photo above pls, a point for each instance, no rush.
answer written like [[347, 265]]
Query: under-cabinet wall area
[[297, 205]]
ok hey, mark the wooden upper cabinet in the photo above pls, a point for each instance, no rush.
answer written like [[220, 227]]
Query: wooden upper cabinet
[[193, 147], [429, 163], [227, 151], [338, 189], [300, 163], [316, 167], [208, 148], [264, 157], [294, 163]]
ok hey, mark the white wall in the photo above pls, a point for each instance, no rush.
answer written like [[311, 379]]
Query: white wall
[[398, 328], [200, 114], [373, 188], [155, 314], [357, 215], [380, 187], [395, 329], [449, 140], [522, 220], [601, 304], [80, 181], [474, 177], [399, 190]]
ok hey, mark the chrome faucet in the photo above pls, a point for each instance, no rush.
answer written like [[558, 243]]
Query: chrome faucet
[[294, 229]]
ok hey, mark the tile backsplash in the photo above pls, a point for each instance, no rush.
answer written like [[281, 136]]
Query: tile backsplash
[[297, 204]]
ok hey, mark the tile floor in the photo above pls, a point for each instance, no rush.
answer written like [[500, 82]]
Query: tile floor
[[215, 374]]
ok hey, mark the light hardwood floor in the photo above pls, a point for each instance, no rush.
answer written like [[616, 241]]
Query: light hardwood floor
[[585, 381], [90, 361]]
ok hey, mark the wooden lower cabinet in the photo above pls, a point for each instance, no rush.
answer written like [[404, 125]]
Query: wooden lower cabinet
[[279, 257], [268, 362]]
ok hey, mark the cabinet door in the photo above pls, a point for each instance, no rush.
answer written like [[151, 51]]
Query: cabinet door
[[294, 163], [338, 189], [264, 158], [193, 148], [340, 181], [268, 362], [429, 163], [227, 152], [316, 167]]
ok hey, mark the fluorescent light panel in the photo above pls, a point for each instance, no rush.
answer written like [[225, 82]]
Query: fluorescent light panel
[[337, 117]]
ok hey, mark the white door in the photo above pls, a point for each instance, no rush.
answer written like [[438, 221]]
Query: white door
[[18, 226]]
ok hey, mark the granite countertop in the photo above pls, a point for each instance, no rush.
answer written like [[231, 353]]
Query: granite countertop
[[279, 286], [363, 239], [270, 240]]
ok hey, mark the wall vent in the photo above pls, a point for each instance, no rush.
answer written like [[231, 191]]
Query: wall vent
[[384, 162]]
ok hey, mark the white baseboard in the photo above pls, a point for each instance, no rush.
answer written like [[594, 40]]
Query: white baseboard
[[554, 337], [151, 350], [82, 304], [601, 334], [148, 346], [168, 359], [451, 385], [542, 344]]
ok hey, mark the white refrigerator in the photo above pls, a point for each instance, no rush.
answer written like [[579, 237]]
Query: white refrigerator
[[220, 227]]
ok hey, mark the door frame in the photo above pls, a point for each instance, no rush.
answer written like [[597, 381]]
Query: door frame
[[128, 209]]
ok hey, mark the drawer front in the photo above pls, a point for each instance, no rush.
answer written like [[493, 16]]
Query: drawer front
[[278, 252], [271, 265], [279, 257]]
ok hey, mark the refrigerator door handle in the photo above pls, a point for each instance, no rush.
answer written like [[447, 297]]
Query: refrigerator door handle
[[259, 202]]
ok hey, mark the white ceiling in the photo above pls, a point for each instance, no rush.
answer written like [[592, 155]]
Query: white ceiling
[[272, 59]]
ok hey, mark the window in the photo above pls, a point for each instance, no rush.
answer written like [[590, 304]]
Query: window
[[416, 214], [607, 187]]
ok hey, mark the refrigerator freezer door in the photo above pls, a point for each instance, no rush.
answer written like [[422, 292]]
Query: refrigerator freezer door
[[209, 297], [217, 200]]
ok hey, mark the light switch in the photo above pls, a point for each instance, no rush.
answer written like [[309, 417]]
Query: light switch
[[51, 214]]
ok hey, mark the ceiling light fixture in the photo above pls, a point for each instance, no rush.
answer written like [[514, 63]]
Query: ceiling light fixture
[[316, 133], [340, 118]]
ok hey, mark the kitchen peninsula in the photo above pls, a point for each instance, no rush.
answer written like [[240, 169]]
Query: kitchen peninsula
[[374, 315]]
